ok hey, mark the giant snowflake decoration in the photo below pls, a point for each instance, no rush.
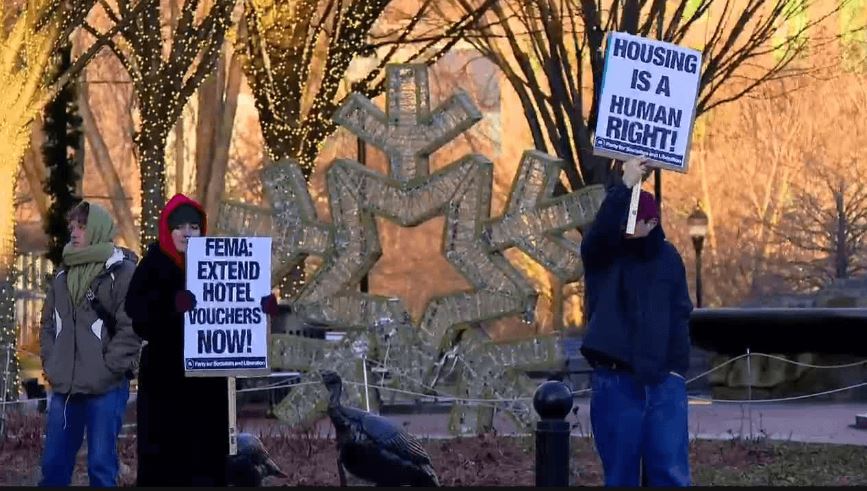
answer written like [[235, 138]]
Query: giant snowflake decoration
[[416, 358]]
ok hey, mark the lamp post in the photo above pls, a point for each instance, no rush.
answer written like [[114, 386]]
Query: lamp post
[[697, 223]]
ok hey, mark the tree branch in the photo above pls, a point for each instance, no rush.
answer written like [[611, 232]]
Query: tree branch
[[82, 61]]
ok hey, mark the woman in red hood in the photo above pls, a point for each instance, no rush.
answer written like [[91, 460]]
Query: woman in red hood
[[182, 422]]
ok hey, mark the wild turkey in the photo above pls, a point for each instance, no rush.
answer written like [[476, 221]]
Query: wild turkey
[[373, 448], [252, 463]]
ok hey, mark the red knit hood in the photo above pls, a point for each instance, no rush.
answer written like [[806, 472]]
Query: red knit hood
[[165, 233]]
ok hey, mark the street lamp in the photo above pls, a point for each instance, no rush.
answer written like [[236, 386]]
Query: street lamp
[[697, 223]]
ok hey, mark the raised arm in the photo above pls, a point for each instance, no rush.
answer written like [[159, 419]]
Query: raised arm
[[605, 234]]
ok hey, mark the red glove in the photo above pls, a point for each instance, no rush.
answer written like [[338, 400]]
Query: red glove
[[185, 301], [269, 305]]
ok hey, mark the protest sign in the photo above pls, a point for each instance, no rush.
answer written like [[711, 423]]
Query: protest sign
[[227, 333], [647, 101]]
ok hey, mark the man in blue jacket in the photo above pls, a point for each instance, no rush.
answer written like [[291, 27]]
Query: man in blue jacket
[[637, 341]]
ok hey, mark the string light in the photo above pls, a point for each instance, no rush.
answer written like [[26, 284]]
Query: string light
[[26, 46], [9, 364], [277, 54], [163, 85]]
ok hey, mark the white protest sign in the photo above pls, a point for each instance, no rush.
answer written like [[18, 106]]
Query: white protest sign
[[227, 333], [647, 101]]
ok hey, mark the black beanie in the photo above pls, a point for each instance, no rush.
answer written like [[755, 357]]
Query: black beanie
[[184, 214]]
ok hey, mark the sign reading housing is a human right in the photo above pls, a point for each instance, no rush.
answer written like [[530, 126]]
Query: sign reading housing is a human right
[[227, 333], [647, 101]]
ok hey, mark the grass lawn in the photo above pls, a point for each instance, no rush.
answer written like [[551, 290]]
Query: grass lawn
[[494, 460]]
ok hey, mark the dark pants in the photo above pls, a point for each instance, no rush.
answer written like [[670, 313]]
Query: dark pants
[[68, 417], [633, 422]]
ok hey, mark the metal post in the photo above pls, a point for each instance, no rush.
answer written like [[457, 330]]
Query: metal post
[[698, 291], [233, 419], [698, 245], [361, 152], [750, 391], [552, 402]]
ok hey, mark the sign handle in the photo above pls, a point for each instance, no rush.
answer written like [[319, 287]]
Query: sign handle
[[366, 387], [233, 418], [633, 209]]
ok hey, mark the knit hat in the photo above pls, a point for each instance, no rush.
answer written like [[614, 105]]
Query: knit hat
[[184, 214], [647, 207]]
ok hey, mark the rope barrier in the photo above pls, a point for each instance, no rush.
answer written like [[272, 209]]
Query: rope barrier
[[440, 396], [282, 385], [441, 393], [708, 372], [810, 365], [437, 397], [782, 399]]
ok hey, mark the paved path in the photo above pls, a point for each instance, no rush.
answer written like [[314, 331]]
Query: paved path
[[802, 422]]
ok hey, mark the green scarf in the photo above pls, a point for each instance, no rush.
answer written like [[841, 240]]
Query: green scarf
[[84, 264]]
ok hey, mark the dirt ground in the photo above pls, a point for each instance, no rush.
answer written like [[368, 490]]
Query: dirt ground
[[490, 460]]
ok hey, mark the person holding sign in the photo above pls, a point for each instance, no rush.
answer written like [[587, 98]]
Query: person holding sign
[[181, 421], [88, 348], [637, 340]]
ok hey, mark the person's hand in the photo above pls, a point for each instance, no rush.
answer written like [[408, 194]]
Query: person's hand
[[634, 170], [185, 301], [269, 305]]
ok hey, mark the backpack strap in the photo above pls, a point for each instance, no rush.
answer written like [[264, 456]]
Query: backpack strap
[[107, 317]]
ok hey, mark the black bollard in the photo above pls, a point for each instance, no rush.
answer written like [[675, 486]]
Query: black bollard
[[552, 401]]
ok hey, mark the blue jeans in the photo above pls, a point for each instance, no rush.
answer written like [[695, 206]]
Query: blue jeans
[[633, 422], [68, 416]]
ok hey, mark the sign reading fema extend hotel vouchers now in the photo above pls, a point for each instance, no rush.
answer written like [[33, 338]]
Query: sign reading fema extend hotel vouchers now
[[647, 102], [227, 333]]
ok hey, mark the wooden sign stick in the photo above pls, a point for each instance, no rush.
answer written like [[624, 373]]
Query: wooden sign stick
[[233, 419], [633, 209]]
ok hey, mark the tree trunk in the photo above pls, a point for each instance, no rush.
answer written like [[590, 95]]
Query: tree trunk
[[180, 160], [180, 141], [8, 329], [102, 158], [223, 140], [151, 151], [841, 254], [210, 108], [34, 172], [557, 299]]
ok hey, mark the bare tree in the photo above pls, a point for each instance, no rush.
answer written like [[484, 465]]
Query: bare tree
[[853, 16], [166, 62], [108, 172], [298, 54], [551, 53], [823, 228], [750, 158]]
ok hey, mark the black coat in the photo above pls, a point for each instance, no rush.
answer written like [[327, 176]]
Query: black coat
[[638, 304], [182, 422]]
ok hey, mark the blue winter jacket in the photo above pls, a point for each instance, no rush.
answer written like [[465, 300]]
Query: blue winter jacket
[[638, 304]]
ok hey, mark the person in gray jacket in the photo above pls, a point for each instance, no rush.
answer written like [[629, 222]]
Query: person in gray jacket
[[89, 350]]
